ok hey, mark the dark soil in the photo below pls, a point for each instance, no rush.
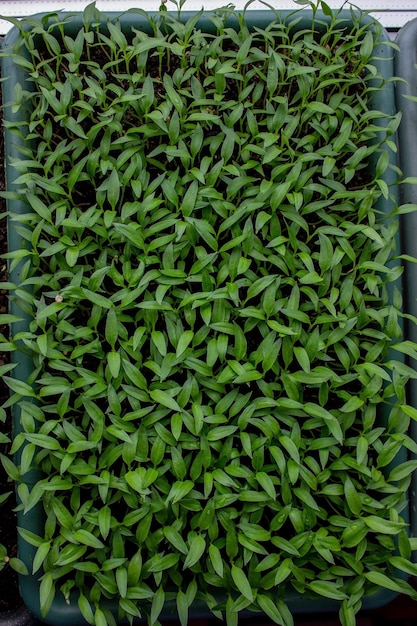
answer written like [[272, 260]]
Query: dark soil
[[9, 591]]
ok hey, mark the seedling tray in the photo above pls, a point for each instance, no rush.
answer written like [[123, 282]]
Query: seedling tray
[[68, 614]]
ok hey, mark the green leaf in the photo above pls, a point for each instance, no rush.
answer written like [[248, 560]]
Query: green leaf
[[411, 411], [100, 617], [183, 342], [4, 496], [174, 537], [172, 93], [302, 358], [85, 609], [19, 387], [285, 546], [43, 441], [318, 411], [242, 583], [18, 566], [162, 397], [402, 471], [328, 12], [161, 563], [352, 497], [39, 206], [10, 468], [382, 580], [283, 571], [260, 284], [113, 360], [221, 432], [306, 497], [121, 580], [326, 254], [158, 339], [216, 560], [179, 490], [104, 521], [141, 479], [366, 47], [113, 189], [320, 107], [383, 526], [189, 200], [327, 589], [197, 545], [134, 569], [46, 593], [289, 445], [30, 537], [347, 614], [158, 602], [41, 554], [8, 318], [97, 299], [182, 607], [266, 483], [85, 537], [270, 608], [405, 565], [111, 329], [280, 328], [353, 404]]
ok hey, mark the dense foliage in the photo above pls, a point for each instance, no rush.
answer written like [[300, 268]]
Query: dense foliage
[[212, 302]]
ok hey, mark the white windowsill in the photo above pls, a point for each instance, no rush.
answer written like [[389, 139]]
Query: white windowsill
[[405, 10]]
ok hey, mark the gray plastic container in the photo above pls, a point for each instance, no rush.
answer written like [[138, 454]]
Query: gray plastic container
[[406, 89]]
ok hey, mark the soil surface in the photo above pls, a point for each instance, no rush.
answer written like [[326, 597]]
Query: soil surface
[[9, 592]]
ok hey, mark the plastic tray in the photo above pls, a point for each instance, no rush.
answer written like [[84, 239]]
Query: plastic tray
[[61, 613]]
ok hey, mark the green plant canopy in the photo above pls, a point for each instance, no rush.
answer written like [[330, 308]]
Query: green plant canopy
[[205, 264]]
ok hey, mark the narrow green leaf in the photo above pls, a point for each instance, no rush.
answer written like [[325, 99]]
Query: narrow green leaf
[[402, 471], [85, 608], [352, 497], [283, 571], [46, 593], [158, 339], [242, 583], [266, 483], [121, 580], [328, 589], [182, 607], [197, 545], [87, 538], [158, 602], [184, 341], [367, 47], [113, 360], [18, 566], [302, 358], [104, 521], [216, 560], [162, 563], [162, 397], [179, 490], [41, 554], [382, 580], [174, 537], [383, 526], [113, 190], [111, 329], [270, 608]]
